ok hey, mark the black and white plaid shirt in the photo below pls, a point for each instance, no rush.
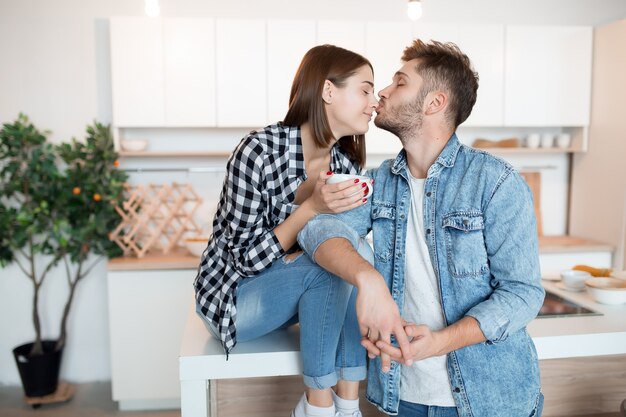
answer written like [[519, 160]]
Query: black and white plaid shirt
[[262, 177]]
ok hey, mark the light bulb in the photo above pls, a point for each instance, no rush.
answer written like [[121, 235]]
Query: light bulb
[[152, 8], [414, 9]]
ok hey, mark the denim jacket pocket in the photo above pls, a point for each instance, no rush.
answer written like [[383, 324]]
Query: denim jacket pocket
[[383, 224], [465, 244]]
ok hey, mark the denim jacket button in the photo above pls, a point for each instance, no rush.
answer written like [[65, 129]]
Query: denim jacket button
[[428, 194], [457, 389], [427, 231], [402, 216]]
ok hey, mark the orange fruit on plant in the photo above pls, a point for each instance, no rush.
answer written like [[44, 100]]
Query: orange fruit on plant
[[116, 164], [76, 190], [97, 197]]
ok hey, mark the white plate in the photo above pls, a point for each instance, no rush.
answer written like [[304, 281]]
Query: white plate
[[562, 286]]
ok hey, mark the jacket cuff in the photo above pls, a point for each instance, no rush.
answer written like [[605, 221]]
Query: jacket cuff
[[492, 321]]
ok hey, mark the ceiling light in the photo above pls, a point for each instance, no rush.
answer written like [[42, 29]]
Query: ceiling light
[[414, 9]]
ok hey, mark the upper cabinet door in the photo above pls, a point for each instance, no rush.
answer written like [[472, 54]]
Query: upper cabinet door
[[287, 42], [189, 49], [484, 45], [241, 73], [137, 72], [548, 76], [346, 34]]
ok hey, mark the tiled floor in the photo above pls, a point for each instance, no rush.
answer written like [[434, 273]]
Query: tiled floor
[[90, 400]]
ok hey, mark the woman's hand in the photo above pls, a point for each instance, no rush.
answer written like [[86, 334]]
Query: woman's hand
[[337, 198]]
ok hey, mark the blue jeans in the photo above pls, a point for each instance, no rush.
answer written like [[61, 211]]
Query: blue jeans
[[407, 409], [299, 290]]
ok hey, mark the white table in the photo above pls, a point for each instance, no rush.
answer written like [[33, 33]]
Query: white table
[[202, 359]]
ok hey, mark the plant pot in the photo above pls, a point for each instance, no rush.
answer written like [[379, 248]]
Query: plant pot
[[39, 373]]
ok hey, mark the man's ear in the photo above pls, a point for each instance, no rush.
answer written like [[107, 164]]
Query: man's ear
[[437, 101], [327, 92]]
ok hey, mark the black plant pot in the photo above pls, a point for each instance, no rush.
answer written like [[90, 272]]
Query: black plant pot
[[39, 373]]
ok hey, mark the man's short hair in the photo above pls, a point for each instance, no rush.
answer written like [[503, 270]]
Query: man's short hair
[[443, 66]]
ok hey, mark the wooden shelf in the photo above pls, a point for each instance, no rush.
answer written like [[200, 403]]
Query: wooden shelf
[[173, 154]]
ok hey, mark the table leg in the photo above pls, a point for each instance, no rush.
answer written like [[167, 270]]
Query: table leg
[[195, 399]]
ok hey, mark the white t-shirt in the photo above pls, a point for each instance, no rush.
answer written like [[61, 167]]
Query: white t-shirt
[[426, 381]]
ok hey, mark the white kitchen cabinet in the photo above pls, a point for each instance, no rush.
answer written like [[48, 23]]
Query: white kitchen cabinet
[[484, 45], [147, 313], [287, 42], [137, 75], [189, 66], [384, 42], [346, 34], [241, 73], [548, 76]]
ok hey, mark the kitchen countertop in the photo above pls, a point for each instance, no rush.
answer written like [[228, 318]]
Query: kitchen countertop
[[566, 337], [181, 259]]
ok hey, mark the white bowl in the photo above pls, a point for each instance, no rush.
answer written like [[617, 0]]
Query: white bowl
[[607, 290], [134, 145], [574, 279], [196, 245]]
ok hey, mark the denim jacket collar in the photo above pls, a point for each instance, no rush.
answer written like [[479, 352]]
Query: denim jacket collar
[[446, 158]]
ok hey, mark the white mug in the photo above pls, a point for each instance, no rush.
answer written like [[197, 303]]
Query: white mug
[[533, 140], [336, 178], [564, 140], [547, 140]]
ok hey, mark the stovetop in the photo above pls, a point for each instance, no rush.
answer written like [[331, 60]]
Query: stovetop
[[556, 306]]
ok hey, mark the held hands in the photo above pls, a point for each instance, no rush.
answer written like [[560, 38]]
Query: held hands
[[379, 318], [336, 198], [424, 343]]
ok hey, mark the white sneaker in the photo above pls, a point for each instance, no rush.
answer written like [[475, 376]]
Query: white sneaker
[[356, 413], [299, 410]]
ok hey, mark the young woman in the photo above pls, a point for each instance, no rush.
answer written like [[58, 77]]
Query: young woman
[[252, 278]]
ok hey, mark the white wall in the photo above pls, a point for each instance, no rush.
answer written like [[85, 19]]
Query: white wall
[[598, 208], [54, 66]]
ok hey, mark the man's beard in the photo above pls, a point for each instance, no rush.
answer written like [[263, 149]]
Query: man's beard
[[404, 121]]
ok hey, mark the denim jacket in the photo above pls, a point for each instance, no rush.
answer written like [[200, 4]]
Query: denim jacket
[[482, 239]]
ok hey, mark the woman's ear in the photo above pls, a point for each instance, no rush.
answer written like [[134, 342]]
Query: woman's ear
[[327, 92]]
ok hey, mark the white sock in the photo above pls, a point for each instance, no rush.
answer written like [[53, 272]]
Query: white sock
[[346, 407], [314, 411]]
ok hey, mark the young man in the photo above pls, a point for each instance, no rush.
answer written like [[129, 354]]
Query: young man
[[455, 242]]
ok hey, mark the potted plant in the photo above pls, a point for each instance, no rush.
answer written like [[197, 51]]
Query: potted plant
[[57, 205]]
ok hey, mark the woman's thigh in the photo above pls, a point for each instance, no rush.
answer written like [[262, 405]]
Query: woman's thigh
[[270, 299]]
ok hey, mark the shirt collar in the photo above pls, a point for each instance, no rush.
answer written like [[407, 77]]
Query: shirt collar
[[446, 158]]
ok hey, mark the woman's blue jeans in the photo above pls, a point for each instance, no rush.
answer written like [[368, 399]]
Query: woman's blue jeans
[[299, 290]]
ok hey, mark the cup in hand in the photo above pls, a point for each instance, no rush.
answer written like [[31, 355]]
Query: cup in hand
[[337, 178]]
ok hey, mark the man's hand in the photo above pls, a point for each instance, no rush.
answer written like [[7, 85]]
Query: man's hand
[[426, 343], [379, 317]]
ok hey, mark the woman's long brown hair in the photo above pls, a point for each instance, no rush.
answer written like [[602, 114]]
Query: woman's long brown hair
[[321, 63]]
